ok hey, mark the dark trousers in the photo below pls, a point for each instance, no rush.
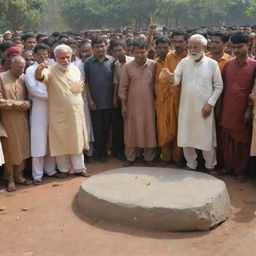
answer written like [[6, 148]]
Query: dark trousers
[[117, 146], [101, 122]]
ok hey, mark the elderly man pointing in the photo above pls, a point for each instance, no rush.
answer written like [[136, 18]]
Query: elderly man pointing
[[201, 86], [67, 130]]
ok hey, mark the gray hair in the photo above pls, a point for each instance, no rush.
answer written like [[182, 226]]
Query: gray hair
[[199, 37], [18, 58], [62, 47]]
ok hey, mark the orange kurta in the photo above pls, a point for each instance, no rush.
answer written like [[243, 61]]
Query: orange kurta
[[222, 61], [167, 101]]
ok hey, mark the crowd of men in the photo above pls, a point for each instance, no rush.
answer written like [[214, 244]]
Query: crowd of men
[[69, 98]]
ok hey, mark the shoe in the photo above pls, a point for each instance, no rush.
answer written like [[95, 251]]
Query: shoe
[[38, 182], [55, 175], [149, 163], [103, 159], [11, 187], [26, 182], [212, 172], [164, 163], [83, 174], [128, 163], [121, 157], [63, 175], [189, 168], [241, 178]]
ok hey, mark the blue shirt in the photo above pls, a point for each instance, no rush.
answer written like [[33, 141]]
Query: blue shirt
[[99, 77]]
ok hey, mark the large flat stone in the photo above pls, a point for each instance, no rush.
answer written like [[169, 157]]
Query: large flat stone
[[156, 198]]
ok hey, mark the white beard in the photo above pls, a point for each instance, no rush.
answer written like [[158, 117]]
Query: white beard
[[63, 68], [198, 56]]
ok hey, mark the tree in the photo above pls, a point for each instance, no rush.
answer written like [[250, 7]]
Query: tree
[[252, 7], [21, 14]]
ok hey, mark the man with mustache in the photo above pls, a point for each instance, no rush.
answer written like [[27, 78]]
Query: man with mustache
[[238, 77], [201, 86], [167, 100], [67, 130], [219, 42], [136, 91]]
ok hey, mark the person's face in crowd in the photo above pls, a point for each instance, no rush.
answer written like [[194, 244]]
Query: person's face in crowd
[[85, 51], [41, 56], [16, 40], [18, 67], [228, 49], [196, 49], [41, 39], [30, 43], [7, 36], [99, 50], [9, 59], [50, 53], [63, 39], [141, 37], [247, 29], [118, 52], [129, 36], [162, 50], [240, 50], [29, 58], [217, 45], [74, 49], [140, 55], [129, 51], [1, 38], [63, 59], [179, 43]]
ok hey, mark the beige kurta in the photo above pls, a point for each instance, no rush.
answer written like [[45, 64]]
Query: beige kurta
[[67, 130], [137, 87], [16, 146]]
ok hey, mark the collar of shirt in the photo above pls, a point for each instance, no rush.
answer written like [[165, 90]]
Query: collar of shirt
[[244, 63], [105, 59], [144, 65]]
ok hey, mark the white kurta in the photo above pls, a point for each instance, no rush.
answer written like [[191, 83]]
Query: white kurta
[[38, 114], [201, 83], [77, 62]]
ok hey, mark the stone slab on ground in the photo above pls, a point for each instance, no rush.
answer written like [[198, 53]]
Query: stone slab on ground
[[160, 199]]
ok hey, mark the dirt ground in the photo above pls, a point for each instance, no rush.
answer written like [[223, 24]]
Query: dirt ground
[[45, 221]]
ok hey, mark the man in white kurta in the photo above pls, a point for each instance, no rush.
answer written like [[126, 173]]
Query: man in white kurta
[[41, 161], [201, 86], [67, 129]]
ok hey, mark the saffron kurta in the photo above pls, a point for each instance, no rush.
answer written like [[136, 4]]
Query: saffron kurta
[[67, 129], [223, 60], [201, 83], [167, 101], [16, 146], [137, 89]]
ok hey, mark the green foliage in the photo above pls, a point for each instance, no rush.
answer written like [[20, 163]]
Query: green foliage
[[77, 15], [20, 14], [251, 8]]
